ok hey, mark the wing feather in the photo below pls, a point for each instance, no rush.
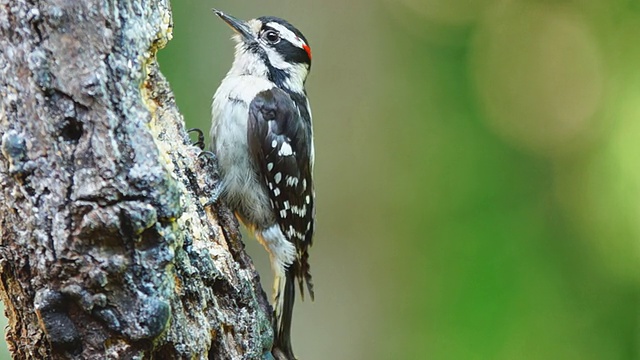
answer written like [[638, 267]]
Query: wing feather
[[280, 146]]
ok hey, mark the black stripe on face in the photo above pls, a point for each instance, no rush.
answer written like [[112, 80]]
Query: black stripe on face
[[291, 53]]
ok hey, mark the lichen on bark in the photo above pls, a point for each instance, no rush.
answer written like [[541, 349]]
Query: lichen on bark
[[107, 249]]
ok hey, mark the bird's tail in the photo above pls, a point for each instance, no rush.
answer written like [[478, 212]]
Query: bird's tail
[[284, 300]]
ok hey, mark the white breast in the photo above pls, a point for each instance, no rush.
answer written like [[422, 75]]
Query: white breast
[[230, 110]]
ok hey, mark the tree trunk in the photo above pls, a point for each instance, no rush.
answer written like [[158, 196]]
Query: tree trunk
[[106, 249]]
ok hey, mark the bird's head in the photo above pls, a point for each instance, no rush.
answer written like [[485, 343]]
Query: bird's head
[[270, 47]]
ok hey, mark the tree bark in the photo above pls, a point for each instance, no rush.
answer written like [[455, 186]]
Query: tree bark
[[106, 248]]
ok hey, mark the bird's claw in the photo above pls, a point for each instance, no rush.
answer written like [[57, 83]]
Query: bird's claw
[[200, 142]]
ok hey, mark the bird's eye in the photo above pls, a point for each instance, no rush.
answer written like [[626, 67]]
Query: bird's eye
[[271, 36]]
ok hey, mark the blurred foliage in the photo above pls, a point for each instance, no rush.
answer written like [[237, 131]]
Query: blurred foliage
[[477, 169]]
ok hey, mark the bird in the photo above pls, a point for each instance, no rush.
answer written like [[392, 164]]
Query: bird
[[262, 137]]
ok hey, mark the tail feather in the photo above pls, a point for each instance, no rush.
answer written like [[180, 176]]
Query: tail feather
[[285, 298], [303, 274]]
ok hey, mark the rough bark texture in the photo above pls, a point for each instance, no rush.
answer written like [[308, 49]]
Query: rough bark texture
[[106, 249]]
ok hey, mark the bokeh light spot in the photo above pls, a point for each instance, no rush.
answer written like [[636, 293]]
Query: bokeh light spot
[[539, 76]]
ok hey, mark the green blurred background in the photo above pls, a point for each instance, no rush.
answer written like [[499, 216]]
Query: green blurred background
[[478, 172]]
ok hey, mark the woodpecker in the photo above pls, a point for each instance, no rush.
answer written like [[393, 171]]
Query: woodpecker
[[262, 136]]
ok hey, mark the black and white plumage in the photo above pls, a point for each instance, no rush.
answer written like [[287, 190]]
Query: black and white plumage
[[263, 138]]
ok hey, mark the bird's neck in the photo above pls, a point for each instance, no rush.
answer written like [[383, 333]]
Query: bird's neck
[[290, 80]]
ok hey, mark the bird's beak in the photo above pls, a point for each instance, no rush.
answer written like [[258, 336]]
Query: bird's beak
[[237, 25]]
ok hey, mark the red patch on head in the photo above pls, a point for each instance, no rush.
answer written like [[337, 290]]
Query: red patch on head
[[307, 49]]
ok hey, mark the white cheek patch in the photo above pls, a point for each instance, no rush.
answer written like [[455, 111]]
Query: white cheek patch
[[276, 59], [297, 74], [287, 34]]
